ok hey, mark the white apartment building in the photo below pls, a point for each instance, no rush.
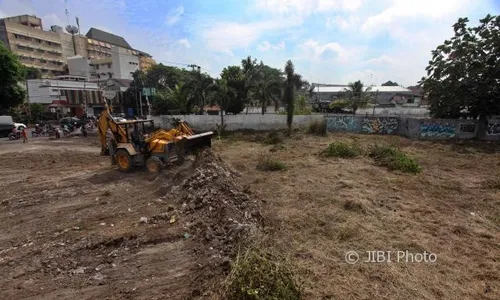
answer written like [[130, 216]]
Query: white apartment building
[[121, 65]]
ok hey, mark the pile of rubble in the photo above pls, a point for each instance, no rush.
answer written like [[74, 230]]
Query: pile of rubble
[[214, 207]]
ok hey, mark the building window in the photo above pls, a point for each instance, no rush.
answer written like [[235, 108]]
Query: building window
[[97, 67], [109, 65], [98, 76], [43, 60]]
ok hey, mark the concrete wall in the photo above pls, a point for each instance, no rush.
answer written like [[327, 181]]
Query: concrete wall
[[429, 129], [238, 122]]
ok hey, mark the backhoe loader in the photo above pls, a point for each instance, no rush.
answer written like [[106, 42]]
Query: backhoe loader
[[130, 146]]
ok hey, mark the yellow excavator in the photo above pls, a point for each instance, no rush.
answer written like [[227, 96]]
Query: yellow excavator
[[130, 146]]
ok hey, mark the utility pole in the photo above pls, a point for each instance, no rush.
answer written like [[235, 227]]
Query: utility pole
[[375, 104], [85, 97], [29, 105], [193, 66]]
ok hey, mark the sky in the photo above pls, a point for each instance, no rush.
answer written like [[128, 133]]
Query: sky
[[329, 41]]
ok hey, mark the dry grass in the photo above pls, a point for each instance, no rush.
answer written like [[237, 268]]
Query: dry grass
[[319, 209], [317, 127], [259, 273], [267, 163]]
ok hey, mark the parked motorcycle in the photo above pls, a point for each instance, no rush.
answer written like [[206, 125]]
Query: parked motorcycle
[[14, 135]]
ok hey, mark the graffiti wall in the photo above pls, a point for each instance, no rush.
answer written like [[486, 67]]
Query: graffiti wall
[[440, 130], [341, 123], [414, 128], [380, 125], [469, 128], [493, 129]]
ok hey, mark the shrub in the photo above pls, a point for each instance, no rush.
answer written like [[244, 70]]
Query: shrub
[[394, 159], [256, 274], [342, 149], [271, 164], [317, 127], [273, 137]]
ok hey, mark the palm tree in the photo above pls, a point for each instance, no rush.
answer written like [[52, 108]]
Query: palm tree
[[178, 97], [199, 86], [357, 95], [251, 73], [223, 95], [266, 90]]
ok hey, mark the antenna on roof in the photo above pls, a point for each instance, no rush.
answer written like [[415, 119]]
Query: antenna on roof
[[66, 10]]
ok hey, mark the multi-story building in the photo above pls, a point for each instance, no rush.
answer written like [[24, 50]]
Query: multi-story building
[[48, 50], [122, 64], [24, 35]]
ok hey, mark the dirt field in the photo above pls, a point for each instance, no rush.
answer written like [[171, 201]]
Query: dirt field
[[71, 224]]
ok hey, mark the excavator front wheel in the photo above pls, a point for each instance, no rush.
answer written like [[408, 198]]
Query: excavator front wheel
[[123, 160], [154, 165]]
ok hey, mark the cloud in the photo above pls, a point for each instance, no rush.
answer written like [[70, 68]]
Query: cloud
[[329, 51], [382, 60], [184, 42], [52, 19], [2, 14], [226, 36], [341, 22], [265, 46], [280, 45], [175, 15], [305, 8], [404, 10]]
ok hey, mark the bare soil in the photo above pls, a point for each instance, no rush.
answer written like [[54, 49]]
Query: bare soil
[[72, 227]]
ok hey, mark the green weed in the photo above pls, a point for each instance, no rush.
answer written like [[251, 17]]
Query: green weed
[[394, 159]]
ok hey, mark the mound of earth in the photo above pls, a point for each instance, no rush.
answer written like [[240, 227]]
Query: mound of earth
[[215, 210]]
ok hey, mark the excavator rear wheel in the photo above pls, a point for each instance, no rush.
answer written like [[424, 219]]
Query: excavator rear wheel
[[123, 160], [154, 165]]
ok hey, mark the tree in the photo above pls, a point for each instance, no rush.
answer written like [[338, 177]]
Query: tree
[[292, 82], [235, 78], [356, 95], [37, 110], [162, 77], [224, 95], [301, 107], [199, 86], [266, 89], [390, 83], [11, 73], [33, 73], [463, 75]]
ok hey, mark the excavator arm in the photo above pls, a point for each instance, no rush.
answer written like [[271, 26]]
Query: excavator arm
[[106, 122]]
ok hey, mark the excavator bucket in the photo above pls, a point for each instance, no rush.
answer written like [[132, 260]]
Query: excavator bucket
[[197, 141]]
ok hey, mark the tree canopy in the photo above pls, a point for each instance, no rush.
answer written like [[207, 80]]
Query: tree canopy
[[463, 76], [11, 73], [252, 83], [390, 83], [356, 96]]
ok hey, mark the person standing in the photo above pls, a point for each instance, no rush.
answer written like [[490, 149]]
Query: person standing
[[24, 135]]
